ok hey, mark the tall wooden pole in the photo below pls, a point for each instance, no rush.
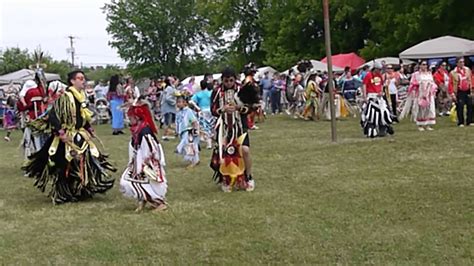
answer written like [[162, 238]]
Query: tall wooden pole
[[327, 37], [71, 41]]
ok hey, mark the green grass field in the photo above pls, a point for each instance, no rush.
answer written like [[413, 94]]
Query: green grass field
[[406, 199]]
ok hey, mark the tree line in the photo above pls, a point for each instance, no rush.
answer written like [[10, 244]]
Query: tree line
[[185, 37], [195, 36]]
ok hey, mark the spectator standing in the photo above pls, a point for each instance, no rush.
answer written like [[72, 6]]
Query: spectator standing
[[460, 86], [266, 86], [168, 108], [116, 97], [276, 94], [131, 90]]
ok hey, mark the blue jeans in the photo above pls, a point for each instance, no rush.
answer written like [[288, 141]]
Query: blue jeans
[[275, 101], [266, 99]]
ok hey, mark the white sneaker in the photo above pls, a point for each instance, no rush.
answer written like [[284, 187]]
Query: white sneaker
[[7, 139], [429, 128], [421, 129], [461, 125], [250, 186], [164, 138], [226, 188]]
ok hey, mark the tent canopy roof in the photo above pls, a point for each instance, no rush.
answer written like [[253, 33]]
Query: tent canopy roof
[[198, 79], [260, 72], [351, 60], [446, 46], [317, 66], [387, 60], [23, 75]]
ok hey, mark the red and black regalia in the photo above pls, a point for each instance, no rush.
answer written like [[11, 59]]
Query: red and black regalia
[[231, 132]]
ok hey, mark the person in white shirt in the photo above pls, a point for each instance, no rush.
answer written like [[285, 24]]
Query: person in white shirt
[[392, 80], [131, 90]]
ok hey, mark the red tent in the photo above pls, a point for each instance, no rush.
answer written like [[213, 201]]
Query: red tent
[[342, 60]]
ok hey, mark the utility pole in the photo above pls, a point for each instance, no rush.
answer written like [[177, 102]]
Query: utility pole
[[327, 37], [71, 49]]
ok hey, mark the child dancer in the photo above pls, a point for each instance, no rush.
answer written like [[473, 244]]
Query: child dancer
[[187, 127], [144, 179]]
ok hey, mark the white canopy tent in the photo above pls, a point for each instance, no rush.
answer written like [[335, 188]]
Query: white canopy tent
[[23, 75], [317, 66], [442, 47], [262, 70], [387, 60], [198, 79]]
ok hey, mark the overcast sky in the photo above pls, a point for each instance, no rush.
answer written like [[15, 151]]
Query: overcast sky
[[30, 23]]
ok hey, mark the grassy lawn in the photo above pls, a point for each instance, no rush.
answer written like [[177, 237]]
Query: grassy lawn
[[407, 199]]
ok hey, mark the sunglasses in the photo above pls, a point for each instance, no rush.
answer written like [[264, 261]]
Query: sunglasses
[[228, 80], [424, 64], [81, 78]]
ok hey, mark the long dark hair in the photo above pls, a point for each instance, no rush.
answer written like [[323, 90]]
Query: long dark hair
[[168, 82], [113, 83]]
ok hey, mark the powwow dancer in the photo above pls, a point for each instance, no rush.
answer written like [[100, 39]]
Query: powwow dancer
[[187, 127], [69, 162], [339, 103], [421, 99], [144, 179], [201, 101], [230, 104], [299, 96], [402, 90], [376, 119], [33, 103], [312, 95]]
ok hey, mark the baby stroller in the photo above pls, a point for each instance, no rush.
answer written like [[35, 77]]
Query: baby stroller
[[102, 111]]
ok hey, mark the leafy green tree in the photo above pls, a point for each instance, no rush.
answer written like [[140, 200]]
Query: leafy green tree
[[103, 73], [295, 29], [13, 59], [185, 37], [395, 26], [58, 67], [155, 36], [240, 18]]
